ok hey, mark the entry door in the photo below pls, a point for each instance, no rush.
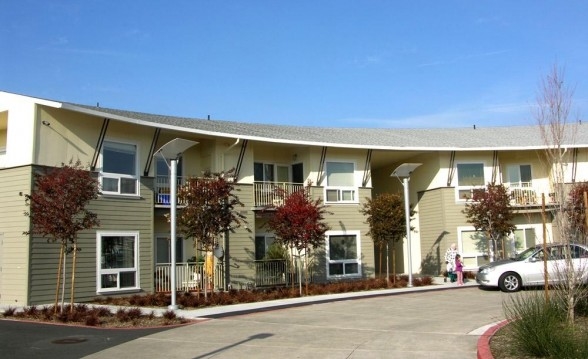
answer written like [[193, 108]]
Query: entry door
[[297, 173]]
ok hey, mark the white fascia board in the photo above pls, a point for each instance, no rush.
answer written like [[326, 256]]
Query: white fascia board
[[298, 142]]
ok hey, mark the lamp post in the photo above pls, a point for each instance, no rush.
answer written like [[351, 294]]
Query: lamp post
[[404, 171], [171, 152]]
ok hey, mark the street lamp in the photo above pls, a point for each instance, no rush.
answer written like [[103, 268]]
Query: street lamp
[[404, 171], [171, 152]]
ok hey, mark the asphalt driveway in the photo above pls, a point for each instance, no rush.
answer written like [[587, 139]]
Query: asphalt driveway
[[37, 340], [429, 324]]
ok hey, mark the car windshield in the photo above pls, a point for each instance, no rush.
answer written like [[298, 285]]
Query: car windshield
[[525, 254]]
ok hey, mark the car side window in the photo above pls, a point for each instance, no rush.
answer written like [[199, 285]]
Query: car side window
[[579, 252], [539, 255], [555, 253]]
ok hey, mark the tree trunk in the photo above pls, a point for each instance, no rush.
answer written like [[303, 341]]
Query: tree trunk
[[381, 249], [73, 276], [393, 263], [58, 280]]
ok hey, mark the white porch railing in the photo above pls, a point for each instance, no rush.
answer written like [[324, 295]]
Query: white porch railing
[[162, 189], [189, 277], [268, 193], [524, 194]]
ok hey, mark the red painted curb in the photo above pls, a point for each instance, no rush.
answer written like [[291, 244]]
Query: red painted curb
[[484, 341]]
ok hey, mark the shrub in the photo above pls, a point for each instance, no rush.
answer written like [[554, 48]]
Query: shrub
[[540, 329], [122, 315], [169, 314], [92, 320], [9, 312], [134, 313]]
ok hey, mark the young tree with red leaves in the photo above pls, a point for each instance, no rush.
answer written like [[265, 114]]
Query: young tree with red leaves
[[387, 220], [209, 210], [576, 211], [299, 223], [58, 211], [490, 211]]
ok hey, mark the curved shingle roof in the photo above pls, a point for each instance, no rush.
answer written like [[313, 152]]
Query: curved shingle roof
[[515, 137]]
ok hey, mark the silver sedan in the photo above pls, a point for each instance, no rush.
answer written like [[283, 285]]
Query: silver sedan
[[528, 267]]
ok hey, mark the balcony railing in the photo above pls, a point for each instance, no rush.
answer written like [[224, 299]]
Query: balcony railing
[[162, 189], [526, 195], [272, 193]]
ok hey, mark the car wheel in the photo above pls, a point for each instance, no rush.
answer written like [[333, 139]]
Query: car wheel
[[509, 282]]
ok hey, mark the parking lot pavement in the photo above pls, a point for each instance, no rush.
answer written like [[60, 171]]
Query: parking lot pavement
[[440, 323], [28, 340]]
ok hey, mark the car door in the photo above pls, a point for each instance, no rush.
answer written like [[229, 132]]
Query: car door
[[579, 256], [533, 271]]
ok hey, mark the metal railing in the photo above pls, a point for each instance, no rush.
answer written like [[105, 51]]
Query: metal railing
[[277, 272], [524, 194], [272, 193], [189, 277], [162, 189]]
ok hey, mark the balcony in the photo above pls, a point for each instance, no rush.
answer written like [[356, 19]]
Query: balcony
[[162, 189], [525, 195], [272, 193]]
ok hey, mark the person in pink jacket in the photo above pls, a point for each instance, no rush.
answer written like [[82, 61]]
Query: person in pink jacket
[[459, 269]]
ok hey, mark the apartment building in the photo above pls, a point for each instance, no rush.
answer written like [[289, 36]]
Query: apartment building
[[130, 251]]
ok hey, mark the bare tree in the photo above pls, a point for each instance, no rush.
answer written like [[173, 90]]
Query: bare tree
[[554, 103]]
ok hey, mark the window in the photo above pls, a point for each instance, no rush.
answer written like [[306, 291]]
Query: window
[[473, 247], [117, 261], [470, 176], [519, 175], [343, 254], [340, 182], [269, 172], [262, 243], [163, 250], [524, 238], [119, 168], [162, 167]]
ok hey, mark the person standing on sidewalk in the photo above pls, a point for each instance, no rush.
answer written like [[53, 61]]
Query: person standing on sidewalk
[[459, 269], [450, 262]]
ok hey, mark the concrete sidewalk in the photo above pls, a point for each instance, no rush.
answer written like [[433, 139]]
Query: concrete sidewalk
[[235, 309], [436, 321]]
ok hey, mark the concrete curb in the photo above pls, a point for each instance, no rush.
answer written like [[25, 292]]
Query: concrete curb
[[484, 341]]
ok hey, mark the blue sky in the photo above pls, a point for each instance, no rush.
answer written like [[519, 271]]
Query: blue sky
[[338, 63]]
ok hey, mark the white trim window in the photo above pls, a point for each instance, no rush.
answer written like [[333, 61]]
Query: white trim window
[[117, 259], [341, 185], [519, 176], [270, 172], [343, 249], [119, 168], [523, 237], [470, 177], [472, 246]]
